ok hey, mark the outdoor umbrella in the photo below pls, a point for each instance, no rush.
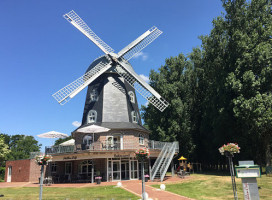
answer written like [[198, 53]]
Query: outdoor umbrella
[[53, 134], [93, 129], [182, 158], [68, 143]]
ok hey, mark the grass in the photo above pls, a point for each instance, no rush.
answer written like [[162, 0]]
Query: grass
[[90, 193], [216, 187]]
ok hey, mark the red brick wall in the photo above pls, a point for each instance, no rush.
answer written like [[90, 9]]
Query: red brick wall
[[23, 170], [20, 170]]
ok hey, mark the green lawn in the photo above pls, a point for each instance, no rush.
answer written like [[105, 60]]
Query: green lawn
[[90, 193], [214, 187]]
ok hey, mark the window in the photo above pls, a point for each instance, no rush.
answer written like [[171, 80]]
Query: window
[[53, 167], [91, 116], [134, 117], [94, 95], [68, 168], [87, 139], [141, 139], [85, 167], [131, 96]]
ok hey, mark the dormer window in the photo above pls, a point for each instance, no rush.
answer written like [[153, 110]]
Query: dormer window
[[94, 95], [134, 117], [141, 139], [92, 115], [131, 96]]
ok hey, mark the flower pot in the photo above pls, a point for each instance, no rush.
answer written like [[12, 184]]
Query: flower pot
[[98, 181], [146, 179]]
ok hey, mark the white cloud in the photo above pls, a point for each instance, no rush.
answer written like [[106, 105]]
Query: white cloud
[[141, 55], [76, 123], [145, 78], [146, 104]]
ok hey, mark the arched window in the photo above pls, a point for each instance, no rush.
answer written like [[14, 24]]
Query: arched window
[[134, 117], [131, 96], [94, 95], [141, 139], [87, 139], [92, 115]]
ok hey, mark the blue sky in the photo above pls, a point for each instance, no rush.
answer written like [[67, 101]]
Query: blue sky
[[40, 52]]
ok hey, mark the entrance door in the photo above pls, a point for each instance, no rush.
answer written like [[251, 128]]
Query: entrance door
[[9, 174], [116, 172], [133, 169], [125, 170]]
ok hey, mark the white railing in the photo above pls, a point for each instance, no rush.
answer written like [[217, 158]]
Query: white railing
[[105, 146]]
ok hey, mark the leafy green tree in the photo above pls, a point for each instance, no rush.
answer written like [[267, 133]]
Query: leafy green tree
[[3, 149], [237, 57], [176, 81], [20, 147]]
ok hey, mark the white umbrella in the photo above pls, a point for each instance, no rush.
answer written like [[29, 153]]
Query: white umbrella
[[68, 143], [53, 134], [93, 129]]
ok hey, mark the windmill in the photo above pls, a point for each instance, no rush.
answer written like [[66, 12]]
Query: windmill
[[112, 62]]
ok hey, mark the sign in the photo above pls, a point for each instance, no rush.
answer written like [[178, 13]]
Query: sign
[[248, 171], [250, 189], [70, 158], [121, 156]]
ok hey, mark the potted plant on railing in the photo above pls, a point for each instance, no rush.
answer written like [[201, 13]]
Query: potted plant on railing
[[229, 150]]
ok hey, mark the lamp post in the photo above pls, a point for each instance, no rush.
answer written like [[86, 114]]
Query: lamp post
[[142, 155], [228, 150], [42, 161]]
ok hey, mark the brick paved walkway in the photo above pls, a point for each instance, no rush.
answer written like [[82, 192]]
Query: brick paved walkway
[[135, 187]]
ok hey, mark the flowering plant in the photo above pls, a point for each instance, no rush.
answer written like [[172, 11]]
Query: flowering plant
[[230, 148], [98, 177], [142, 154], [147, 176], [43, 160]]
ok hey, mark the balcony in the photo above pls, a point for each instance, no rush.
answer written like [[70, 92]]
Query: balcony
[[105, 146]]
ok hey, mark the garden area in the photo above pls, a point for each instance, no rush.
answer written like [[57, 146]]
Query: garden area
[[197, 186]]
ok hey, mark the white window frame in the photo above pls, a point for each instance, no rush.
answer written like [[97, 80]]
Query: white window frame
[[94, 95], [91, 114], [141, 139], [70, 163], [134, 116], [131, 96], [54, 165], [88, 164]]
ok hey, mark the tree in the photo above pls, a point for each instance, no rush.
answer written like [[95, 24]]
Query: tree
[[177, 82], [3, 149], [20, 146], [237, 57]]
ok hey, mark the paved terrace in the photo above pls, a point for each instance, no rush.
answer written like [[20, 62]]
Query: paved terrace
[[133, 186]]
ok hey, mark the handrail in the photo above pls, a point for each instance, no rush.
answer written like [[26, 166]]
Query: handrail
[[167, 160], [104, 146]]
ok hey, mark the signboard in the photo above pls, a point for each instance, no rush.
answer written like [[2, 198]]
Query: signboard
[[248, 172], [250, 189]]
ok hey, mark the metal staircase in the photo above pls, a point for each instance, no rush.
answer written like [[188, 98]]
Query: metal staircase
[[163, 161]]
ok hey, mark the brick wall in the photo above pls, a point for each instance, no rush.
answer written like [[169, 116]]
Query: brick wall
[[23, 170]]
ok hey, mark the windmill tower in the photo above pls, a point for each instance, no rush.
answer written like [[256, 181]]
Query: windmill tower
[[111, 80], [111, 103]]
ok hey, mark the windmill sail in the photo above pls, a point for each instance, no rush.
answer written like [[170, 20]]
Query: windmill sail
[[74, 19], [69, 91], [141, 86], [140, 43]]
